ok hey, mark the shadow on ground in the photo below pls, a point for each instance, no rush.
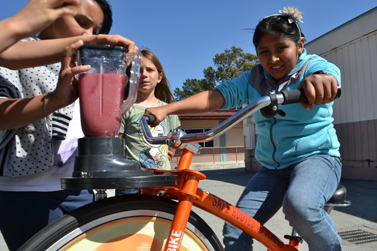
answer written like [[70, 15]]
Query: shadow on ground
[[363, 197], [361, 193], [236, 176]]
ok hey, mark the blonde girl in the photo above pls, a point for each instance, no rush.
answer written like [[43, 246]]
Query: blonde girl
[[153, 91]]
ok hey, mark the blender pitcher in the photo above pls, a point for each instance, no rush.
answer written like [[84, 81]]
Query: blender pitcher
[[101, 89], [101, 152], [101, 162]]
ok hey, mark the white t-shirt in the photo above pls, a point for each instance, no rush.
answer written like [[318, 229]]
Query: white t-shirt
[[50, 180]]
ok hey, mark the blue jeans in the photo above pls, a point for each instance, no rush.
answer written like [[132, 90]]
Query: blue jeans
[[23, 214], [120, 192], [302, 189]]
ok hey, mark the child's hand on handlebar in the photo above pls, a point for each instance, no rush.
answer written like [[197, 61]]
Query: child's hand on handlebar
[[159, 112], [319, 89]]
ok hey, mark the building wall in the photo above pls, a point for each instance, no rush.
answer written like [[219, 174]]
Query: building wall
[[353, 48], [231, 153], [198, 124], [233, 137]]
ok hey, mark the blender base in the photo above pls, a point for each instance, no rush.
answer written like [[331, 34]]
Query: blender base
[[120, 183], [101, 164]]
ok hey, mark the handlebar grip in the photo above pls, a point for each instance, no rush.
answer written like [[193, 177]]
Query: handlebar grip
[[150, 119], [298, 96]]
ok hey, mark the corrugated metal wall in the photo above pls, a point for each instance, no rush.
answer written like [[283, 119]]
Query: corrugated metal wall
[[358, 64], [353, 48], [354, 113]]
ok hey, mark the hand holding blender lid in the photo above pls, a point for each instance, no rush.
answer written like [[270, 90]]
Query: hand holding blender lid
[[101, 89]]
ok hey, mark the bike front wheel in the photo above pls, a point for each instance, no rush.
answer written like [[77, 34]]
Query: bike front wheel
[[130, 222]]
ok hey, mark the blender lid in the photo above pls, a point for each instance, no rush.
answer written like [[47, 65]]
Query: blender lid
[[103, 47]]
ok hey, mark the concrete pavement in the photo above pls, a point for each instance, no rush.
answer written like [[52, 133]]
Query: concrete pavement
[[354, 223], [357, 223]]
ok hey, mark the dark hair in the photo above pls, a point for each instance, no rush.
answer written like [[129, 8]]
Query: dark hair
[[108, 16], [277, 25]]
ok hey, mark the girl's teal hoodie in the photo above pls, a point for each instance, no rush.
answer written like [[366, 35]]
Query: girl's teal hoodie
[[286, 140]]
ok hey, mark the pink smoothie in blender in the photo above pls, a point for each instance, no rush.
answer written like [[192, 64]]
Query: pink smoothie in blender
[[101, 89], [101, 153], [101, 95]]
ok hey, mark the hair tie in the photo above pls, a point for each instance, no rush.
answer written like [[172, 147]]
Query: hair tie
[[293, 14]]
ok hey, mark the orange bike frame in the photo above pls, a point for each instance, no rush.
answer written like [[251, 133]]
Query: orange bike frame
[[186, 190]]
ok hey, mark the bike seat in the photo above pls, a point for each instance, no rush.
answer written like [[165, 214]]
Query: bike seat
[[339, 196]]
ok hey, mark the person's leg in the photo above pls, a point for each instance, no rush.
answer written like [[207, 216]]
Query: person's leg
[[69, 200], [261, 199], [22, 215], [120, 192], [313, 182], [26, 213]]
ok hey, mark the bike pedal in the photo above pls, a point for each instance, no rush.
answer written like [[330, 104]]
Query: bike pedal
[[295, 238]]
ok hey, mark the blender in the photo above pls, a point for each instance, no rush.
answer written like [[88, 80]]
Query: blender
[[101, 162]]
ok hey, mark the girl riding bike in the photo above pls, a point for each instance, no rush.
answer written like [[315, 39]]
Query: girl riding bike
[[298, 147]]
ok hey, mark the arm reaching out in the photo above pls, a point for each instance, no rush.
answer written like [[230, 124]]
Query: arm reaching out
[[34, 17], [15, 113], [202, 102], [49, 51]]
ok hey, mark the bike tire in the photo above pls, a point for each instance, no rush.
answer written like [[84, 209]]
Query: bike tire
[[122, 222]]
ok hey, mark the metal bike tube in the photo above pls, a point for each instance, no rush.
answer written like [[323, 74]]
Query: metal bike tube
[[229, 213], [182, 214], [215, 206], [229, 123], [159, 140], [185, 160], [217, 130]]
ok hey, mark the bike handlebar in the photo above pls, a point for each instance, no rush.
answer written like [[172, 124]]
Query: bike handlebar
[[298, 96], [150, 118], [179, 139]]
